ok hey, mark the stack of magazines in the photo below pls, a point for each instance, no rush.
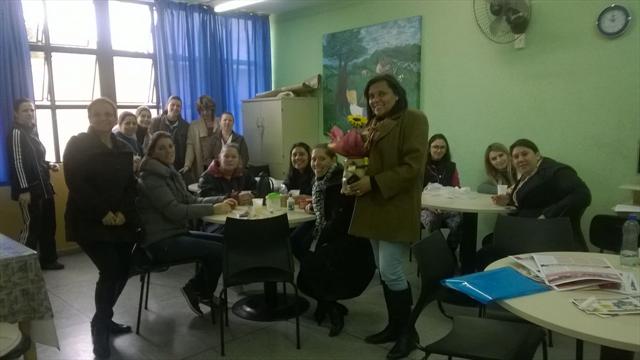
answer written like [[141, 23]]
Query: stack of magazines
[[570, 272]]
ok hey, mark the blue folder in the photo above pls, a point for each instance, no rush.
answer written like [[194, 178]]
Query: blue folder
[[492, 285]]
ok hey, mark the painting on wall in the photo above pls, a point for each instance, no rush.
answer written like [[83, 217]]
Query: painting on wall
[[351, 57]]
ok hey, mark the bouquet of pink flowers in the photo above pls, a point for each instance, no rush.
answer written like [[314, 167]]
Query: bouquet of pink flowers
[[352, 146], [351, 143]]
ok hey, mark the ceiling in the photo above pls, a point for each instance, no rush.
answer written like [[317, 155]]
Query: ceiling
[[272, 7]]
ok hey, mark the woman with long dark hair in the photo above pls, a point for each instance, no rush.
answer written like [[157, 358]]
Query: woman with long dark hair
[[388, 200], [300, 175]]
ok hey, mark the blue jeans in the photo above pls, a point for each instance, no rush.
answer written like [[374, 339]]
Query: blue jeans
[[205, 247], [390, 258]]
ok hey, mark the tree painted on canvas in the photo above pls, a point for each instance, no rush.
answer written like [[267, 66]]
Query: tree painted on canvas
[[352, 57]]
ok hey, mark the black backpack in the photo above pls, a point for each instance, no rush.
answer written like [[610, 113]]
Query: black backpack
[[264, 186]]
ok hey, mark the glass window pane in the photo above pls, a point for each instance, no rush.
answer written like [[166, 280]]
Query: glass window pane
[[130, 27], [72, 23], [33, 12], [75, 77], [40, 78], [70, 122], [134, 80], [45, 132]]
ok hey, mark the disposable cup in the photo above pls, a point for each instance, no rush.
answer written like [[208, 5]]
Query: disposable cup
[[257, 202], [502, 189]]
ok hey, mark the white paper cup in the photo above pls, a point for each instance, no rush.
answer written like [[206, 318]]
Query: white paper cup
[[295, 192], [502, 189], [256, 202]]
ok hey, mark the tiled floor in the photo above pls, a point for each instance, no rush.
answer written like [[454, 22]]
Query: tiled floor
[[170, 330]]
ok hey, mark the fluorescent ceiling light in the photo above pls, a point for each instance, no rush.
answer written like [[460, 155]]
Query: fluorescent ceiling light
[[234, 4]]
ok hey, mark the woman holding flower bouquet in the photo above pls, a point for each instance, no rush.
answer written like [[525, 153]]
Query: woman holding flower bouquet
[[388, 197]]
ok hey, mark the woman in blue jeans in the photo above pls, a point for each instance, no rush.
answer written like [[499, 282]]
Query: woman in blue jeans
[[165, 207], [388, 201]]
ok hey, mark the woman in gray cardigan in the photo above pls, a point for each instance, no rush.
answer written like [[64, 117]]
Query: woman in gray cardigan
[[165, 206]]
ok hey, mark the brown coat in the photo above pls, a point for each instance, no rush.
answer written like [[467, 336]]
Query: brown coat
[[396, 160]]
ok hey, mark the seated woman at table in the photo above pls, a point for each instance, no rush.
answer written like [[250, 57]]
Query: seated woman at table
[[546, 188], [226, 175], [333, 265], [300, 175], [498, 167], [439, 169], [165, 207]]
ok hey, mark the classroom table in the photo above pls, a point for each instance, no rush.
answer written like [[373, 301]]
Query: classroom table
[[470, 204], [619, 336], [23, 294], [267, 306]]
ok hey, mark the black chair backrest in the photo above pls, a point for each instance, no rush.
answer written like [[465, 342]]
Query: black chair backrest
[[605, 232], [518, 235], [257, 249], [435, 262], [255, 170]]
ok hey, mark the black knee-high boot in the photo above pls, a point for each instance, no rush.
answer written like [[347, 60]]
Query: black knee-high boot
[[407, 338], [392, 330]]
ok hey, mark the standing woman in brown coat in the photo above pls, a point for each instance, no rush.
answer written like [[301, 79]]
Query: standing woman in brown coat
[[387, 205]]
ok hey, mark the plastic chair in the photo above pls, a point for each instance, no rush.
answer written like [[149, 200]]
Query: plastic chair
[[256, 250], [605, 232], [142, 264], [519, 235], [470, 337]]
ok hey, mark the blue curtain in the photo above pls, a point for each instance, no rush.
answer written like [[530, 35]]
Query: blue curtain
[[199, 52], [15, 72]]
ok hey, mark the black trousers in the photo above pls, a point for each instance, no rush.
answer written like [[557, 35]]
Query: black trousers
[[39, 231], [112, 260]]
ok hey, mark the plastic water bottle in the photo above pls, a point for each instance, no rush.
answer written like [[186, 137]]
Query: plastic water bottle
[[291, 204], [629, 249]]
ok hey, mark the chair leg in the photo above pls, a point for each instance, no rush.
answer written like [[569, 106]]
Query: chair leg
[[550, 337], [295, 288], [226, 308], [142, 281], [579, 348], [441, 308], [284, 289], [223, 303], [545, 353], [146, 299]]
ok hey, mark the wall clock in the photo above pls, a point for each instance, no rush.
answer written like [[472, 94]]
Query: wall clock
[[613, 20]]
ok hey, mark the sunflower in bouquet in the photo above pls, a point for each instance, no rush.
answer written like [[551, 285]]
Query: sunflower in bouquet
[[351, 144]]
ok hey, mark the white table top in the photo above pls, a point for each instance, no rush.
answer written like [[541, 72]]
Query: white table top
[[467, 201], [634, 187], [553, 310], [296, 217]]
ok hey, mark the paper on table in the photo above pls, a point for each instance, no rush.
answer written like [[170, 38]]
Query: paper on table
[[567, 272], [624, 208]]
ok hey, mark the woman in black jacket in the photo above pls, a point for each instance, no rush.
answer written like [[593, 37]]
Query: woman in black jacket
[[100, 214], [31, 185], [300, 175], [334, 264], [546, 188]]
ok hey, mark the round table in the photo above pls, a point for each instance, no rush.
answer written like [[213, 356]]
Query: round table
[[470, 204], [553, 310], [268, 306], [296, 217]]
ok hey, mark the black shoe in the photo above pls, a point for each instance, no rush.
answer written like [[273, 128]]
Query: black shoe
[[100, 339], [118, 329], [407, 342], [337, 320], [389, 334], [192, 299], [343, 309], [55, 265]]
